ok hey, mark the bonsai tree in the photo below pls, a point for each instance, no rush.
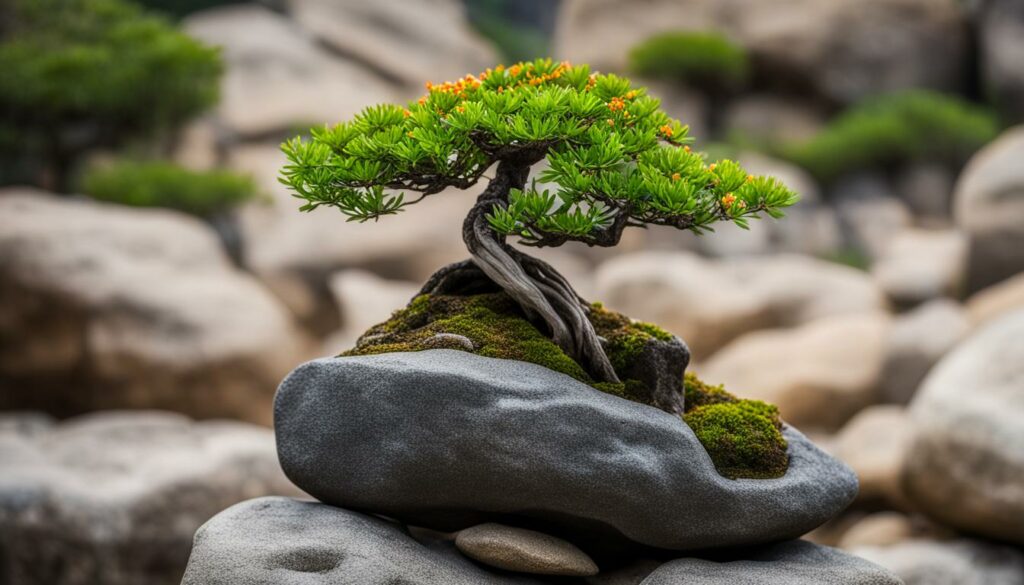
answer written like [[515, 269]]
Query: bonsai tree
[[615, 161], [80, 74]]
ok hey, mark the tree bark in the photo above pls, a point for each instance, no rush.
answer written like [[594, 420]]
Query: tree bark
[[540, 290]]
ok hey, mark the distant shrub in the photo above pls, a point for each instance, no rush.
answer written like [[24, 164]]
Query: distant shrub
[[895, 129], [160, 184], [704, 59], [78, 74]]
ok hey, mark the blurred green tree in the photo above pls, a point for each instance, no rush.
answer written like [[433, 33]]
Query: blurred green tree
[[616, 160], [206, 194], [708, 61], [81, 74], [896, 129]]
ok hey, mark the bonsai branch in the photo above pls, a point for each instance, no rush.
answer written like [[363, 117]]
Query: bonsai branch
[[543, 293]]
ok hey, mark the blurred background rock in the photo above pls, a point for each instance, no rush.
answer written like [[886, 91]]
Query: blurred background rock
[[154, 275]]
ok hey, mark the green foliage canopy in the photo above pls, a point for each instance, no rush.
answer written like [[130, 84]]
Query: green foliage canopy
[[81, 73], [161, 184], [916, 125], [706, 60], [615, 159]]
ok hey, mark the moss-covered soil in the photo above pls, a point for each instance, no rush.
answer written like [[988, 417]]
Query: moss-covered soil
[[743, 437]]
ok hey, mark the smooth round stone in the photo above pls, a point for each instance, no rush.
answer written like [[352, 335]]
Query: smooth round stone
[[524, 551], [447, 439]]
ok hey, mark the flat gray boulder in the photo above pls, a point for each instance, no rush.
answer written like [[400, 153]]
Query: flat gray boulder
[[448, 439], [275, 541], [796, 562], [114, 497]]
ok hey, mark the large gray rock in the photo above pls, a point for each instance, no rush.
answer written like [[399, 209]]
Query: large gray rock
[[105, 306], [965, 465], [844, 49], [115, 497], [448, 439], [988, 205], [272, 541], [278, 77], [790, 563], [956, 562], [411, 42]]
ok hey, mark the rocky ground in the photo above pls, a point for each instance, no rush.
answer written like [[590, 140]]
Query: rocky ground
[[135, 329]]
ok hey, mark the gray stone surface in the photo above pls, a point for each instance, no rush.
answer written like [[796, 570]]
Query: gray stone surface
[[114, 498], [448, 439], [281, 541], [790, 563]]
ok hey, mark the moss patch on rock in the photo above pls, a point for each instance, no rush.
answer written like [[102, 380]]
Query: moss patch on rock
[[743, 437]]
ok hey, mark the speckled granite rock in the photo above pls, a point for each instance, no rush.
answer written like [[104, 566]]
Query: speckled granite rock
[[795, 562], [276, 541], [448, 439]]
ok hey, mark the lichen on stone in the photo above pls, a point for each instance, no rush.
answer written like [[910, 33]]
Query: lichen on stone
[[743, 437]]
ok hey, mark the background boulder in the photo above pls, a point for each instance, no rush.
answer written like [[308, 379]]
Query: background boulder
[[102, 306], [115, 497]]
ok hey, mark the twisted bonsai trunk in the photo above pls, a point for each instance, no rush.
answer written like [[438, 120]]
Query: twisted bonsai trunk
[[540, 290]]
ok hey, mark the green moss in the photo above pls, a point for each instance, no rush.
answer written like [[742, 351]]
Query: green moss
[[742, 437], [626, 338], [492, 323]]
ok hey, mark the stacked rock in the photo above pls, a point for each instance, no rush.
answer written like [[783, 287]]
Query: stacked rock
[[442, 466]]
